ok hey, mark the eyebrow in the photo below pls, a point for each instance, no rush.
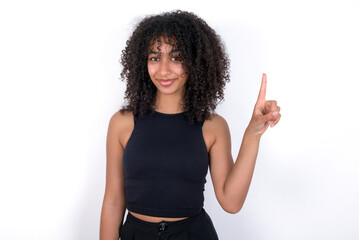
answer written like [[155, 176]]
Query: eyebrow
[[173, 51]]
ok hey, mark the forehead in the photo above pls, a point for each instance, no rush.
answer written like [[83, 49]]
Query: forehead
[[158, 44]]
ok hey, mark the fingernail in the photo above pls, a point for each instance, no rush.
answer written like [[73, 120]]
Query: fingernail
[[275, 114], [270, 122]]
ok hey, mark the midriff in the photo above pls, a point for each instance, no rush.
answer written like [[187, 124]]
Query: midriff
[[155, 219]]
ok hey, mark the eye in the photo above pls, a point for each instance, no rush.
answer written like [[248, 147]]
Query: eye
[[177, 59], [155, 59]]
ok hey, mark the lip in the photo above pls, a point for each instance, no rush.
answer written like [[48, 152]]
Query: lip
[[166, 79], [166, 82]]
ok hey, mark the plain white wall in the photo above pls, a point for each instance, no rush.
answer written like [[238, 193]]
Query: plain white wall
[[60, 85]]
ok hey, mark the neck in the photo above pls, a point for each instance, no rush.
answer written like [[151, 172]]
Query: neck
[[169, 103]]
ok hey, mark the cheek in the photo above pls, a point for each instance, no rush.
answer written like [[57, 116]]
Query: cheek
[[151, 70], [184, 79], [179, 71]]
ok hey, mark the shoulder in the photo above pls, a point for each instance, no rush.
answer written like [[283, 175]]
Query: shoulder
[[215, 121], [119, 118], [120, 124], [216, 128]]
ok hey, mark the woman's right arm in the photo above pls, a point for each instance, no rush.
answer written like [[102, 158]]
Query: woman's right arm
[[113, 207]]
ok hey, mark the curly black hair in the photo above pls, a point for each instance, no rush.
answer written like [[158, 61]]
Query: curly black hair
[[204, 59]]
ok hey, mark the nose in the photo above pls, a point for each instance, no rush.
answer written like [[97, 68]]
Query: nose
[[164, 69]]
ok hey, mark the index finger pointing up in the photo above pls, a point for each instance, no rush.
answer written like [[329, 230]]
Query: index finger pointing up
[[262, 92]]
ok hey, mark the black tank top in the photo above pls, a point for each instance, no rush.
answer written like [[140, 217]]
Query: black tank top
[[165, 166]]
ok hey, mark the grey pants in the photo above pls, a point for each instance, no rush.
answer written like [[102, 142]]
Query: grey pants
[[199, 227]]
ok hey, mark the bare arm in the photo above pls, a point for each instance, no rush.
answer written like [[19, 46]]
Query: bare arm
[[232, 180], [239, 178], [111, 221], [265, 114], [113, 207]]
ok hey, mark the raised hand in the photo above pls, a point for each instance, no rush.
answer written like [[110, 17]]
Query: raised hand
[[265, 113]]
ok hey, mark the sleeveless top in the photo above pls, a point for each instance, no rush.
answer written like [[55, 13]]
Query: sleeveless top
[[165, 166]]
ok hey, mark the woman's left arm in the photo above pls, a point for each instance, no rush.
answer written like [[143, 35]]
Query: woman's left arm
[[232, 180]]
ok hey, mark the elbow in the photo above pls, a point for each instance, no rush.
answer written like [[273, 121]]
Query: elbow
[[233, 209], [230, 204]]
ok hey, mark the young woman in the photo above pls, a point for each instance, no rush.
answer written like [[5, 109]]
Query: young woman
[[161, 143]]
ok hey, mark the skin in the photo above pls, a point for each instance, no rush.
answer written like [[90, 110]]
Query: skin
[[165, 64], [231, 180]]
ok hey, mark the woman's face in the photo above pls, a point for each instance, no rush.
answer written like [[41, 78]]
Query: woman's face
[[165, 68]]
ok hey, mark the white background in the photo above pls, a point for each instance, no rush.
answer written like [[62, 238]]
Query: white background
[[60, 85]]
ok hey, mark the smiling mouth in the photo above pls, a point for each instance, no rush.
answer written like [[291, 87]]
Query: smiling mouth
[[166, 82], [166, 79]]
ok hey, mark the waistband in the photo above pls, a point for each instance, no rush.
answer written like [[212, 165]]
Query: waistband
[[168, 226]]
